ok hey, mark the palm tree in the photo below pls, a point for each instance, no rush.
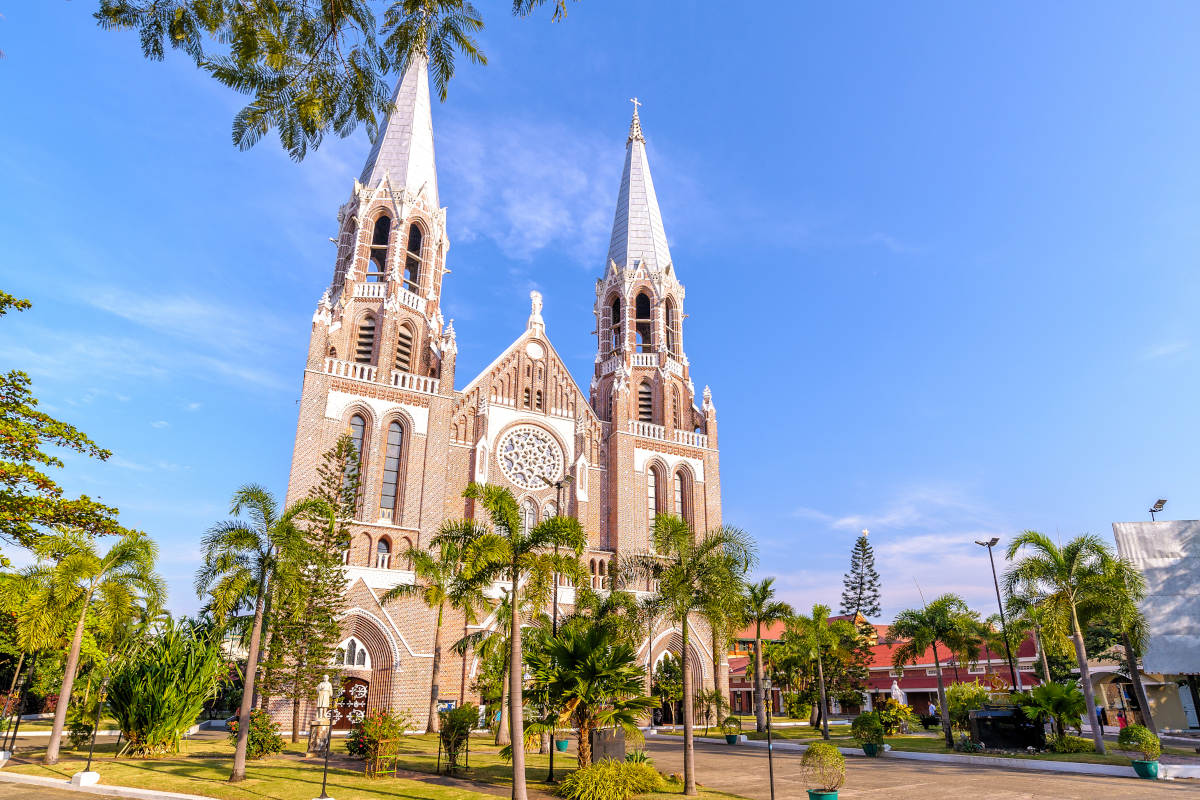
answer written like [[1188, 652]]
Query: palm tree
[[240, 558], [1063, 704], [441, 582], [491, 646], [529, 559], [814, 637], [921, 629], [120, 580], [726, 616], [762, 607], [1077, 573], [689, 570], [1127, 587], [595, 682]]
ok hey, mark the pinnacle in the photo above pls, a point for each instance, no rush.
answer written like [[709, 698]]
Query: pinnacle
[[635, 129]]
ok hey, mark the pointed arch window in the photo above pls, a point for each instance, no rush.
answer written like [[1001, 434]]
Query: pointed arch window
[[358, 430], [537, 400], [391, 471], [377, 263], [412, 259], [645, 402], [404, 349], [645, 324], [672, 326], [529, 515], [383, 554], [364, 346], [682, 497], [615, 324], [651, 500], [675, 409]]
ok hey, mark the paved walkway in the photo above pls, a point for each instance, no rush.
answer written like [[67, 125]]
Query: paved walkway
[[743, 771], [15, 790]]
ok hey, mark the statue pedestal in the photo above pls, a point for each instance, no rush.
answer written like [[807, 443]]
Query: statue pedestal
[[318, 737]]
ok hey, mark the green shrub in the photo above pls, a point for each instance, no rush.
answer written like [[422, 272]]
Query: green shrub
[[456, 726], [796, 706], [731, 726], [824, 767], [638, 757], [1139, 739], [264, 739], [610, 780], [377, 739], [962, 699], [79, 733], [965, 745], [894, 716], [867, 728], [1071, 744]]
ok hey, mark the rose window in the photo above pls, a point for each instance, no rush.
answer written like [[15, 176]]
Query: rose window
[[527, 455]]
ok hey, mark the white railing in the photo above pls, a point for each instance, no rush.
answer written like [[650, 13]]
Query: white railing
[[610, 364], [674, 367], [370, 290], [645, 359], [350, 369], [647, 429], [691, 439], [415, 383], [411, 300]]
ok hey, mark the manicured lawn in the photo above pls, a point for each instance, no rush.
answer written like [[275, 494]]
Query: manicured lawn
[[106, 723], [204, 770]]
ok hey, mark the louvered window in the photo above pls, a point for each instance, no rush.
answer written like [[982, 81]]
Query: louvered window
[[675, 405], [364, 348], [377, 265], [383, 554], [391, 468], [672, 327], [616, 324], [645, 325], [412, 260], [358, 429], [645, 403], [404, 349]]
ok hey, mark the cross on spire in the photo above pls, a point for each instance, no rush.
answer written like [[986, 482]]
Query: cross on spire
[[635, 126], [636, 103]]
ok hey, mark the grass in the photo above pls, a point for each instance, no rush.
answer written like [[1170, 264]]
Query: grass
[[106, 723], [204, 770]]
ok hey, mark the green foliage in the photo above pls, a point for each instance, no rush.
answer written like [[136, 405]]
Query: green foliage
[[894, 716], [1138, 739], [710, 706], [79, 732], [796, 706], [30, 501], [1070, 744], [731, 726], [867, 728], [1063, 703], [861, 584], [264, 739], [455, 728], [963, 698], [610, 780], [816, 638], [823, 767], [965, 745], [638, 757], [668, 679], [378, 740]]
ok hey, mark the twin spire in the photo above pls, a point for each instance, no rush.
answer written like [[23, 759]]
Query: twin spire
[[404, 150]]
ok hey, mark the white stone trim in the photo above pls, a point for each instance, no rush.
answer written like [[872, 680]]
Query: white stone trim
[[337, 402], [641, 456]]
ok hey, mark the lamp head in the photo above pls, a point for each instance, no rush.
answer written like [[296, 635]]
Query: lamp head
[[995, 540]]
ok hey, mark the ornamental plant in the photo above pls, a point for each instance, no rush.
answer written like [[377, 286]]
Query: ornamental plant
[[264, 739], [894, 716], [867, 729], [824, 767], [964, 698], [731, 726], [610, 780], [453, 729], [1138, 739]]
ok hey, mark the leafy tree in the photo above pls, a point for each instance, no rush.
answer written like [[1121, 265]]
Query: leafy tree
[[668, 683], [1127, 587], [1074, 576], [689, 570], [942, 621], [816, 637], [762, 607], [240, 561], [531, 561], [441, 582], [860, 594], [963, 698], [30, 500], [1063, 703], [117, 581], [311, 68]]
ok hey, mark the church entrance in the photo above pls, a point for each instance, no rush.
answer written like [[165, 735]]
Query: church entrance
[[350, 706]]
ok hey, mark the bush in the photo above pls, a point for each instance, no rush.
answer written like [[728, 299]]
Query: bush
[[638, 757], [264, 739], [1139, 739], [894, 716], [610, 780], [962, 699], [377, 739], [455, 728], [796, 706], [731, 726], [965, 745], [824, 767], [79, 734], [867, 728], [1071, 744]]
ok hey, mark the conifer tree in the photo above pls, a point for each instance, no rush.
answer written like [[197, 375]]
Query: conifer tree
[[861, 592]]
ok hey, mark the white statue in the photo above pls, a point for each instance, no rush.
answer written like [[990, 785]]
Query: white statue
[[535, 312], [324, 696], [898, 694]]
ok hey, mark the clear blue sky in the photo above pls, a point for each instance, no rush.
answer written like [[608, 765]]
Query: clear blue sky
[[941, 259]]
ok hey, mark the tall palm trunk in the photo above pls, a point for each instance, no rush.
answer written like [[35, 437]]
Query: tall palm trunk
[[434, 724], [689, 746], [12, 687], [1085, 677], [64, 694], [1041, 646], [943, 708], [515, 712], [760, 713], [1138, 687], [585, 744], [243, 732], [502, 727], [824, 701]]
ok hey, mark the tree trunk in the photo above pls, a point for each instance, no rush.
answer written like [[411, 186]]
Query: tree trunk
[[585, 745], [943, 708], [515, 713], [1041, 646], [12, 687], [434, 723], [243, 732], [1085, 677], [502, 727], [689, 747], [296, 718], [824, 702], [760, 713], [1138, 686], [64, 694]]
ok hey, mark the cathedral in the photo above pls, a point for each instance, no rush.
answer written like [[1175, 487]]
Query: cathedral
[[381, 366]]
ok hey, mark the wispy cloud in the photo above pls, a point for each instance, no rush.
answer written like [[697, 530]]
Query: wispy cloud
[[1173, 347], [160, 423]]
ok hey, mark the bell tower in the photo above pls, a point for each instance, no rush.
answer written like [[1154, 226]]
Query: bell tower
[[642, 386]]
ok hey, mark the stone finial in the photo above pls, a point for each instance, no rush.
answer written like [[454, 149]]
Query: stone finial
[[635, 126], [708, 403], [449, 339], [865, 532], [536, 323]]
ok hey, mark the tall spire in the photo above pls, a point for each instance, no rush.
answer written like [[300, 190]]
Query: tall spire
[[638, 234], [404, 147]]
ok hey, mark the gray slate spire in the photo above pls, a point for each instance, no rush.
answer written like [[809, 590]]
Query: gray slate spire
[[638, 233], [404, 147]]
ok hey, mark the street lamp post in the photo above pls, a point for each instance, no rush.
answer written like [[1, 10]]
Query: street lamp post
[[770, 743], [558, 485], [96, 728], [325, 768], [1012, 667]]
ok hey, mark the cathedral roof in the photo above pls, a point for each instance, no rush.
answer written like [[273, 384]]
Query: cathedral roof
[[404, 147], [638, 233]]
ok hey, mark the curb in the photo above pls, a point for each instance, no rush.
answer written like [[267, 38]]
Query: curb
[[99, 788]]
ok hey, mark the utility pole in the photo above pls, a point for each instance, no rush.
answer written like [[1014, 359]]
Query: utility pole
[[1012, 667]]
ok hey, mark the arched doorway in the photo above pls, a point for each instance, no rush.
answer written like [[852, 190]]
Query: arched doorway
[[350, 706]]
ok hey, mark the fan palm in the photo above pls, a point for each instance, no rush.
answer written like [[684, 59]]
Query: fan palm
[[762, 607], [239, 563], [919, 629], [119, 581], [530, 560], [1075, 575], [816, 637], [689, 570], [1064, 704], [441, 583]]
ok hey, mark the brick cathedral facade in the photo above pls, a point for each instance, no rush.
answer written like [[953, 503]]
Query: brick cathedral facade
[[381, 366]]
